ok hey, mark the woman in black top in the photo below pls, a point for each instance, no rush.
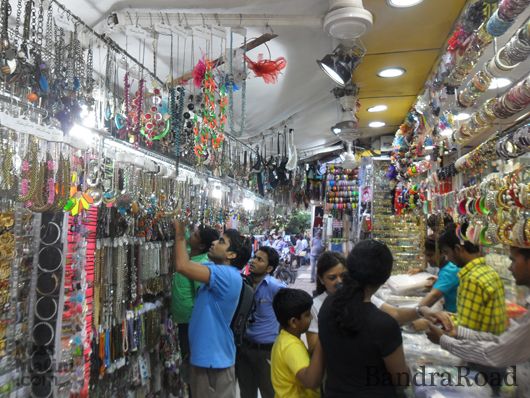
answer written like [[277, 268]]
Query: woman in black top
[[362, 345]]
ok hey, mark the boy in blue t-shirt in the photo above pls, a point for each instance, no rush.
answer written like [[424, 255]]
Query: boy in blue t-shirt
[[212, 345], [446, 286]]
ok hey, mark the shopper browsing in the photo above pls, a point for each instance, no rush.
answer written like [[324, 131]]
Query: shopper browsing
[[350, 326], [184, 289], [253, 360], [510, 348], [316, 249], [211, 339], [299, 250], [294, 373], [330, 274], [446, 286]]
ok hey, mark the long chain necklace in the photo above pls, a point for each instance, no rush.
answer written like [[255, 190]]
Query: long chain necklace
[[8, 177], [44, 197], [30, 170], [231, 91], [63, 185], [17, 22]]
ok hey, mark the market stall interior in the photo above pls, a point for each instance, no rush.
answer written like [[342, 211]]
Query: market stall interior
[[382, 120]]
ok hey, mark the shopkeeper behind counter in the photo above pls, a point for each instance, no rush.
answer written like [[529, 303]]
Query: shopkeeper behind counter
[[508, 349]]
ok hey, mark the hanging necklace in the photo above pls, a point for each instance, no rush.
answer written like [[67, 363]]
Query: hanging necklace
[[28, 185], [8, 54], [231, 91], [44, 197], [89, 83]]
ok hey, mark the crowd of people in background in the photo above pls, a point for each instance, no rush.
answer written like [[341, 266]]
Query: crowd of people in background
[[352, 335]]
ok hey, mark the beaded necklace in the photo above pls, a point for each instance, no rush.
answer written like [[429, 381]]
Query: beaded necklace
[[231, 91]]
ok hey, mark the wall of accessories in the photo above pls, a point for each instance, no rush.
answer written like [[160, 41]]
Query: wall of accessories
[[60, 73], [404, 234], [17, 253], [478, 88], [47, 302], [342, 198], [97, 298], [470, 129]]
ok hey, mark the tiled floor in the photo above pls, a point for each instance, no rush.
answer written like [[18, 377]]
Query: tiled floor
[[303, 280]]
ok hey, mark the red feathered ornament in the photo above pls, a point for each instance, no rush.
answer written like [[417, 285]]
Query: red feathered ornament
[[198, 73], [267, 69]]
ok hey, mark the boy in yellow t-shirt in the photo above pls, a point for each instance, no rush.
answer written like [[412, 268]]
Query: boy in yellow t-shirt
[[294, 374]]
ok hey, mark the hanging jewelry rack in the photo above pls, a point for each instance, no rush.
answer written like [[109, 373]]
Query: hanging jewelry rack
[[108, 41]]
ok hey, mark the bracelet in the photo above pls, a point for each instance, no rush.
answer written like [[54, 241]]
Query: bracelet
[[418, 311]]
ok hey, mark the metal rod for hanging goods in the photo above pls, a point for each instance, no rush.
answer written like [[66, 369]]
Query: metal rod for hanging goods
[[219, 61], [146, 17], [108, 41], [252, 44]]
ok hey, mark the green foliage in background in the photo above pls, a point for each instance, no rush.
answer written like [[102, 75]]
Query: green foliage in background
[[299, 222]]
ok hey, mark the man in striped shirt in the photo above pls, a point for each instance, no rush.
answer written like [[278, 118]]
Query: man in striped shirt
[[510, 348]]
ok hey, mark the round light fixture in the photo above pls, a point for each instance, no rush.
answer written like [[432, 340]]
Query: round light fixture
[[391, 72], [377, 108], [376, 125], [499, 82], [462, 116], [403, 3], [339, 71]]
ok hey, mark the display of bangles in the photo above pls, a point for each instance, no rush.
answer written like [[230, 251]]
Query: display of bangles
[[505, 15], [342, 191], [495, 211], [50, 259], [515, 144], [511, 103], [507, 58], [43, 334]]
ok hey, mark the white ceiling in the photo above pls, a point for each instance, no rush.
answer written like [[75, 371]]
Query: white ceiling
[[302, 96]]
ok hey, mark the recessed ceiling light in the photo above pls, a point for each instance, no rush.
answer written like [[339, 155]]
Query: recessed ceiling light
[[376, 125], [391, 72], [336, 130], [499, 82], [462, 116], [377, 108], [404, 3]]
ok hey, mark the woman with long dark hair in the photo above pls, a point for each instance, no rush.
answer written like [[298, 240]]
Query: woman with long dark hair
[[330, 270], [362, 345]]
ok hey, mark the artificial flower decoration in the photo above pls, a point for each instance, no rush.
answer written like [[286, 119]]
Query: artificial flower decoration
[[267, 69], [198, 73], [209, 131]]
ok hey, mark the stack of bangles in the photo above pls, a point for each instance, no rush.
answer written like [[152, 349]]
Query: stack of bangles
[[515, 144]]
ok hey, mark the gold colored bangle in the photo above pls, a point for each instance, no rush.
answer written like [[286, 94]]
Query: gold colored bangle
[[500, 202], [504, 232]]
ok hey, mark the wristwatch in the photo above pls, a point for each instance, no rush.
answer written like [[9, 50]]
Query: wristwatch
[[418, 311]]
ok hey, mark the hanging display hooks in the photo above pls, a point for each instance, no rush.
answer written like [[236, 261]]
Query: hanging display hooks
[[108, 41]]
